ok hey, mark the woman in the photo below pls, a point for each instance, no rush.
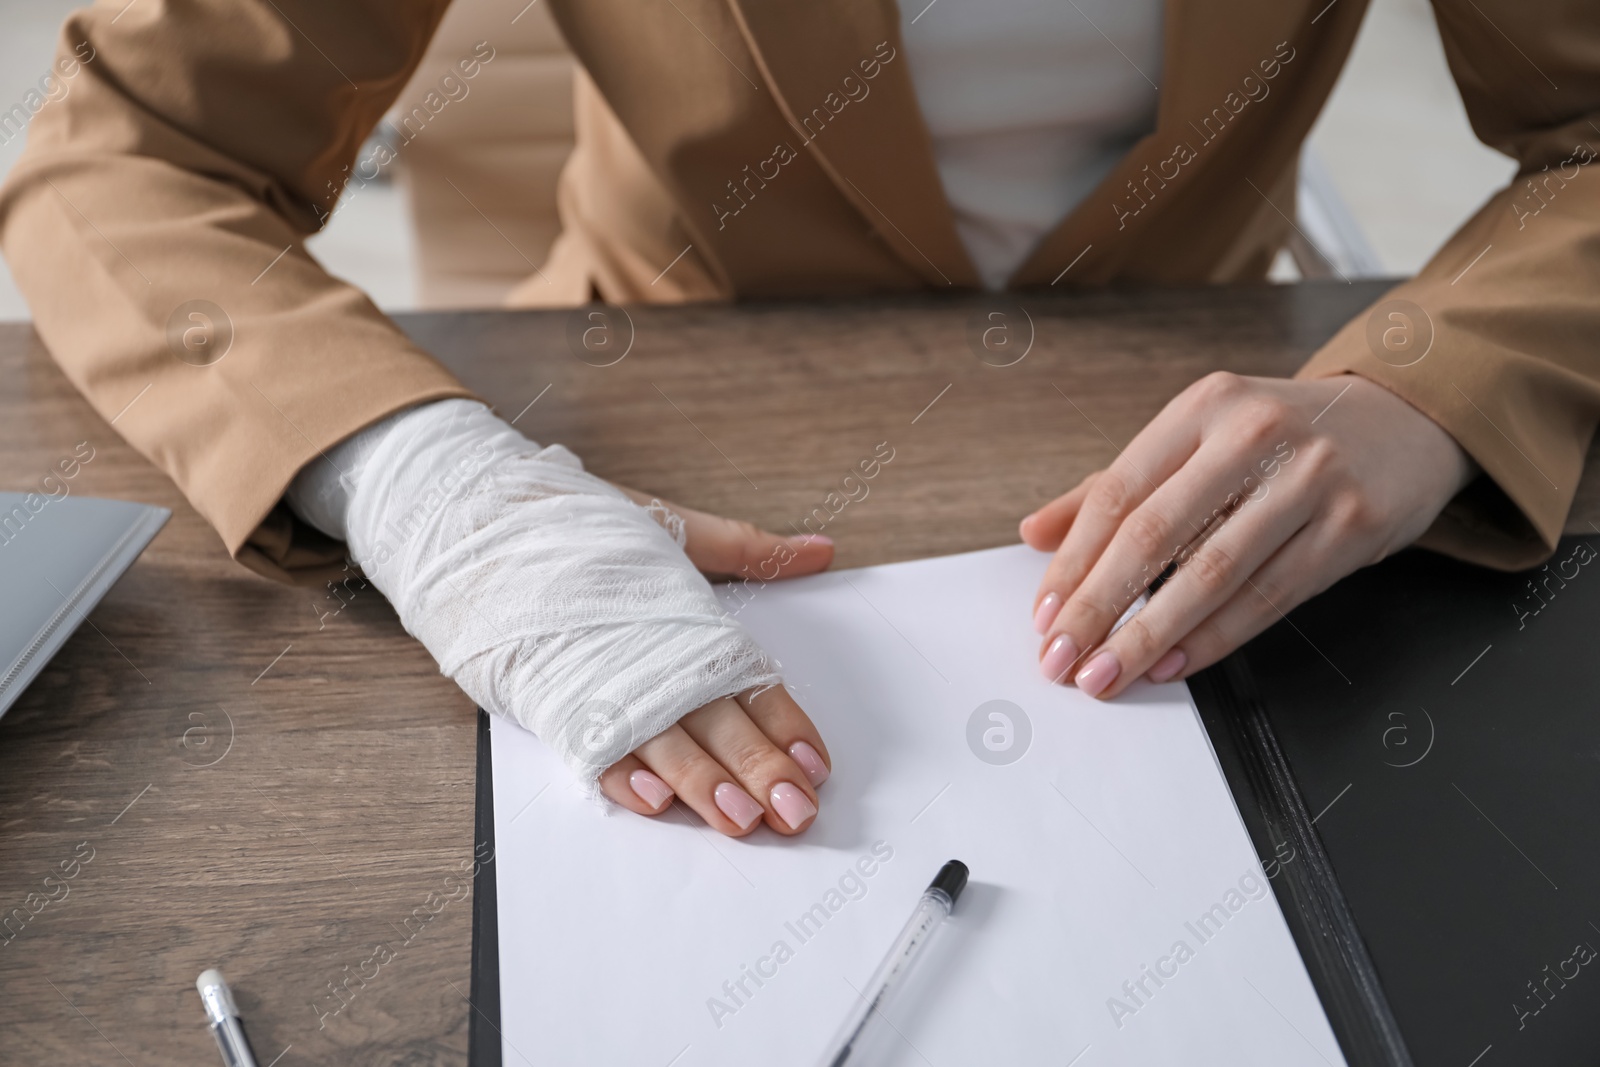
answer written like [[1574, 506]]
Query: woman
[[833, 149]]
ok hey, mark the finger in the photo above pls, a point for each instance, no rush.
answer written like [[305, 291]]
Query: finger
[[740, 549], [1217, 571], [735, 548], [700, 781], [1176, 527], [776, 714], [1044, 529], [633, 785], [1155, 455], [726, 733], [1308, 563]]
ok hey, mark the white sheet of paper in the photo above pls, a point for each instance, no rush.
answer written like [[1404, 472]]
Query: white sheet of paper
[[1095, 852]]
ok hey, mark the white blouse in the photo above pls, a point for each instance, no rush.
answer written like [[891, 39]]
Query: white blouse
[[1030, 104]]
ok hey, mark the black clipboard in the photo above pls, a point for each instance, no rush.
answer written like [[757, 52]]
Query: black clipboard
[[483, 1026], [1424, 740], [1416, 756]]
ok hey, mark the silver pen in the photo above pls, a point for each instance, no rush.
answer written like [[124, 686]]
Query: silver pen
[[226, 1026], [852, 1043]]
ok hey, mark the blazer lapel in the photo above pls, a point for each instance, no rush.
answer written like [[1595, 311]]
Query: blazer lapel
[[839, 74], [1209, 48]]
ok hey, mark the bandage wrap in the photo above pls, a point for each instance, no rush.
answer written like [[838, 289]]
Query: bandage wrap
[[543, 591]]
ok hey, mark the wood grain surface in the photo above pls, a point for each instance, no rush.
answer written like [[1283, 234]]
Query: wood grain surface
[[275, 790]]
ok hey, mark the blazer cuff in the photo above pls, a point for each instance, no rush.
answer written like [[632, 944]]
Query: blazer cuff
[[1511, 516], [261, 532]]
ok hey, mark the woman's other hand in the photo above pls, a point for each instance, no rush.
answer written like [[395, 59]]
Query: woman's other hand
[[1252, 495]]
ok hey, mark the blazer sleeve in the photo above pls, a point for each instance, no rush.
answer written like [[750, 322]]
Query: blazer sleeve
[[156, 225], [1498, 338]]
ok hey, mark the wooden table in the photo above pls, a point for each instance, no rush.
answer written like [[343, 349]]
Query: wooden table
[[273, 789]]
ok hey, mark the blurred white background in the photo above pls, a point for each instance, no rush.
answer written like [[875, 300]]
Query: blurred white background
[[1394, 140]]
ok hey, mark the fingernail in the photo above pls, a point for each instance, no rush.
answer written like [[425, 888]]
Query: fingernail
[[811, 539], [1098, 674], [737, 805], [791, 804], [650, 789], [1058, 658], [1168, 666], [1049, 608], [806, 756]]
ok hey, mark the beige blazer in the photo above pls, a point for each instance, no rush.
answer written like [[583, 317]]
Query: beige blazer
[[196, 147], [493, 163]]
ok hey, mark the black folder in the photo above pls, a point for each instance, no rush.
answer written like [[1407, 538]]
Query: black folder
[[1422, 742], [1416, 755]]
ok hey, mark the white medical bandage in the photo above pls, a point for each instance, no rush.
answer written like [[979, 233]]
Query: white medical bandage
[[543, 591]]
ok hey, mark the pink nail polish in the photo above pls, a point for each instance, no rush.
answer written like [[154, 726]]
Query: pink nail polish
[[1167, 667], [1098, 674], [737, 805], [1046, 614], [791, 804], [808, 760], [650, 789], [1059, 658]]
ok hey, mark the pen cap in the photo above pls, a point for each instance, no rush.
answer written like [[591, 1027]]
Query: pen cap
[[951, 880], [215, 995]]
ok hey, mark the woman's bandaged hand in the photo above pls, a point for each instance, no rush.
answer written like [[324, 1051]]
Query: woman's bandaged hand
[[553, 598]]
